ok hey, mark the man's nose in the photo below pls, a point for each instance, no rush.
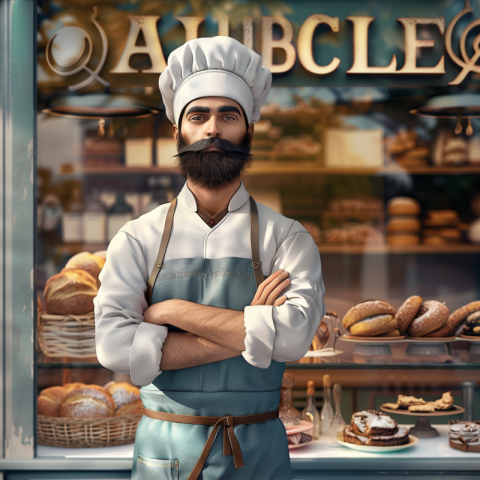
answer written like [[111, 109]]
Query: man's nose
[[212, 127]]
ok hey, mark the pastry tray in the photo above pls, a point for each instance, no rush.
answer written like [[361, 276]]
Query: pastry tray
[[470, 338], [370, 340]]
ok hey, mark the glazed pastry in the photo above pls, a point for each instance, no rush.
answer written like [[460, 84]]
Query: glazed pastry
[[406, 313], [406, 401], [460, 315], [391, 406], [445, 402], [400, 437], [366, 309], [393, 333], [472, 325], [427, 407], [431, 316], [371, 422], [372, 326]]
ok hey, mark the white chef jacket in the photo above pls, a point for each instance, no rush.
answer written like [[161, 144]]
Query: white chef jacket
[[125, 343]]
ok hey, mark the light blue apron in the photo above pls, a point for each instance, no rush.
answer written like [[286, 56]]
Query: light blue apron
[[167, 450]]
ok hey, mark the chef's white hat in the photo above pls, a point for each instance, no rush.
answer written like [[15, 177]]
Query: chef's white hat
[[214, 67]]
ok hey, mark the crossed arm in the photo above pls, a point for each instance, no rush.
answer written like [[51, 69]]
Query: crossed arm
[[214, 333]]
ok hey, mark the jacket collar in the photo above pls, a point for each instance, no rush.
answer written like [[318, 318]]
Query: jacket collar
[[188, 200]]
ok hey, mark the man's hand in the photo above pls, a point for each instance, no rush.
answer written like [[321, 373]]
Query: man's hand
[[269, 290]]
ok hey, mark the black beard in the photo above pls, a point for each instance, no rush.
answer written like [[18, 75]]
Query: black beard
[[215, 169]]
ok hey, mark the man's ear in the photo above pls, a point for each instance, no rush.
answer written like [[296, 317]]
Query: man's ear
[[250, 129], [175, 132]]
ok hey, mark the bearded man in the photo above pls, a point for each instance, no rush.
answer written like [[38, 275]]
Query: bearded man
[[184, 306]]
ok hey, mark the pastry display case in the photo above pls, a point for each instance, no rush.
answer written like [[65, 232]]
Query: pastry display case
[[378, 172]]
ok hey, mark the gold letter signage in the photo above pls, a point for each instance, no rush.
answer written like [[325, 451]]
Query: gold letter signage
[[285, 43]]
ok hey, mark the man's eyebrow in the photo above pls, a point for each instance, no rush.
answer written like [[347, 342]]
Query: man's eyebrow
[[228, 108], [223, 108]]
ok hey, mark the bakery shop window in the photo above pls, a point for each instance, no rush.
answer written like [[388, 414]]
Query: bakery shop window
[[390, 199]]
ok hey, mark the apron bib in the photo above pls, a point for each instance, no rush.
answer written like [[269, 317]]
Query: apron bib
[[166, 450]]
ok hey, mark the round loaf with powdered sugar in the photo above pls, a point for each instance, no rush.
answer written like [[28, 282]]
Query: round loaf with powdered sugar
[[431, 316]]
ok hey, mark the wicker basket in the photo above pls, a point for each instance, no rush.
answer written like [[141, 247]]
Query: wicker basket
[[67, 335], [86, 432]]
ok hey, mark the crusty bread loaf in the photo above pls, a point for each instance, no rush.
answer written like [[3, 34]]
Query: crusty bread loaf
[[101, 254], [73, 386], [49, 401], [123, 393], [90, 401], [70, 292], [132, 408], [87, 261]]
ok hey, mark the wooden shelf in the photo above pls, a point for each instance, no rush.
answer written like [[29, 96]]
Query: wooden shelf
[[382, 249]]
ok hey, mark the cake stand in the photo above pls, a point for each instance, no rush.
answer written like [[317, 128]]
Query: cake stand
[[429, 345], [474, 343], [422, 428], [372, 345]]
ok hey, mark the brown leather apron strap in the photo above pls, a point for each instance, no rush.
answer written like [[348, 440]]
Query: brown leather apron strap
[[230, 441], [161, 252], [254, 241]]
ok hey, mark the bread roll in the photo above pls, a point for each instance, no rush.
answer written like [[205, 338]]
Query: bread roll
[[49, 401], [404, 224], [366, 309], [70, 292], [87, 261], [73, 386], [132, 408], [123, 394], [403, 239], [372, 326], [101, 254], [90, 401], [403, 206]]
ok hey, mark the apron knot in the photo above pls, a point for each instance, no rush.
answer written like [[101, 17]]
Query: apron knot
[[230, 441]]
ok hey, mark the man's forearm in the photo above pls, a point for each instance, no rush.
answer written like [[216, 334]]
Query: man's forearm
[[220, 325], [184, 350]]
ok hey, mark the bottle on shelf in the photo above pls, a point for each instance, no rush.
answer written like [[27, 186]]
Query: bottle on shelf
[[119, 214], [326, 413], [310, 412], [286, 407], [338, 423], [72, 218], [94, 220]]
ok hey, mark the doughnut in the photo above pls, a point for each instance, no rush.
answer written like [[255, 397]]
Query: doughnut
[[406, 313], [431, 316], [375, 325], [460, 315], [365, 309]]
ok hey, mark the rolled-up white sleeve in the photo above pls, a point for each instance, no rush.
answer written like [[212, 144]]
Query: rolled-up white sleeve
[[125, 343], [284, 333]]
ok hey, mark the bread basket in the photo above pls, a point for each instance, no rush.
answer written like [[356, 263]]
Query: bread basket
[[67, 335], [86, 432]]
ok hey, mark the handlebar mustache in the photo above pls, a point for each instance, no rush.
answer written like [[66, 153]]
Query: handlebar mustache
[[220, 143]]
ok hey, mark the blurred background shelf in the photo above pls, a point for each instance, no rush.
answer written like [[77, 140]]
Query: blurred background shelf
[[382, 249]]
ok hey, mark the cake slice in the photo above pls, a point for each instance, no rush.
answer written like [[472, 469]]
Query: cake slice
[[370, 422]]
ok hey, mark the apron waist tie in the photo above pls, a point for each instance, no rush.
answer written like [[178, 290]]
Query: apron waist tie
[[230, 442]]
